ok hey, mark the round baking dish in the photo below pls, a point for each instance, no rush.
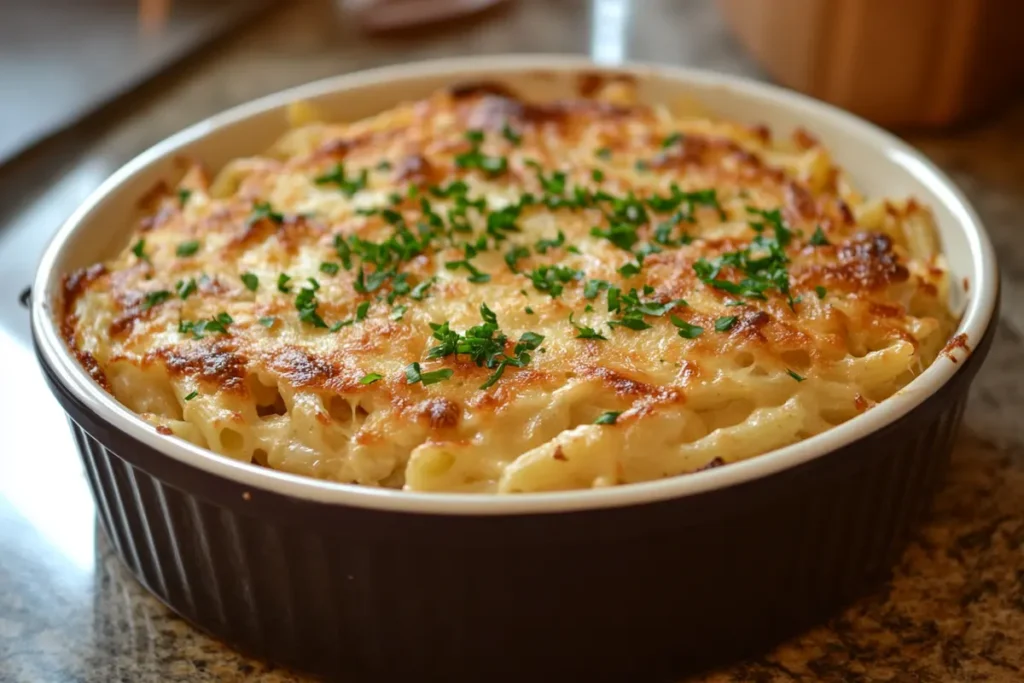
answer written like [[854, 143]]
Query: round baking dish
[[625, 583]]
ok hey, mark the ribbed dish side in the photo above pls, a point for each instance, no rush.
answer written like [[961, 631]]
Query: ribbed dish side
[[375, 611]]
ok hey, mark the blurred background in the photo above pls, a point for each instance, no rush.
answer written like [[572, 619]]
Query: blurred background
[[88, 84]]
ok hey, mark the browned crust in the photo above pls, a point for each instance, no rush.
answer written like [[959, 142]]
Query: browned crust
[[209, 360]]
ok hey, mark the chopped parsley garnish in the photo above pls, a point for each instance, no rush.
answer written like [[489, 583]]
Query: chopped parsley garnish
[[187, 248], [595, 287], [642, 166], [484, 344], [474, 158], [268, 321], [185, 288], [552, 279], [585, 332], [795, 376], [366, 284], [608, 418], [604, 153], [414, 374], [282, 283], [542, 246], [419, 292], [528, 310], [371, 377], [154, 298], [663, 233], [263, 211], [622, 235], [191, 395], [250, 281], [512, 136], [348, 185], [384, 165], [139, 249], [361, 311], [398, 312], [183, 196], [820, 291], [597, 175], [686, 330], [818, 239], [673, 139], [513, 255], [329, 267], [631, 269], [724, 324], [763, 262], [452, 189], [632, 309], [685, 203], [344, 251], [306, 305], [218, 323], [475, 275]]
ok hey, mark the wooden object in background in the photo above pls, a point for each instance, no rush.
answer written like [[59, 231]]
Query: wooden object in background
[[896, 62]]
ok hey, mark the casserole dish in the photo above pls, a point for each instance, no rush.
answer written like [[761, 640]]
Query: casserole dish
[[624, 583]]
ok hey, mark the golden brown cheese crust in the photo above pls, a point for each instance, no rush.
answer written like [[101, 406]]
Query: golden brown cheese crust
[[860, 283]]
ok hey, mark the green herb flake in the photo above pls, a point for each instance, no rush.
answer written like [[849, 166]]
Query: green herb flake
[[349, 186], [514, 255], [250, 281], [414, 374], [263, 211], [187, 248], [398, 312], [361, 311], [528, 310], [139, 249], [673, 139], [306, 304], [191, 395], [795, 376], [371, 377], [268, 321], [608, 418], [820, 291], [185, 288], [419, 292], [604, 153], [686, 330], [329, 268], [543, 245], [597, 175], [154, 298], [511, 135], [724, 324], [818, 239], [282, 283], [183, 196], [584, 332]]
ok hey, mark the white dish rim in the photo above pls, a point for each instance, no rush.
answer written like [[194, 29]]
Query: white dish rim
[[977, 316]]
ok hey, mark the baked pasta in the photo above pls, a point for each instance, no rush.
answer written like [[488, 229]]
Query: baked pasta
[[479, 293]]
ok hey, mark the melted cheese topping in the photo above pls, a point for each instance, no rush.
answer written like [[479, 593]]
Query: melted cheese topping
[[196, 325]]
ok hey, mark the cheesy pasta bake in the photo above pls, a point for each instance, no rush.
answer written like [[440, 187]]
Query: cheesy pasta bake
[[480, 293]]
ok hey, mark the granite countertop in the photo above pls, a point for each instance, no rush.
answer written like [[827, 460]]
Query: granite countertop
[[954, 610]]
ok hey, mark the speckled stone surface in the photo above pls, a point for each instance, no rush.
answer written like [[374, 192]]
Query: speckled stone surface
[[954, 610]]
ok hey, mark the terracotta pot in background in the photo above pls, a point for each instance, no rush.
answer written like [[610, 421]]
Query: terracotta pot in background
[[896, 62]]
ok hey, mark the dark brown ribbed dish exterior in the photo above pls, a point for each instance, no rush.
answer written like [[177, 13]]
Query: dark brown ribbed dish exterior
[[622, 594]]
